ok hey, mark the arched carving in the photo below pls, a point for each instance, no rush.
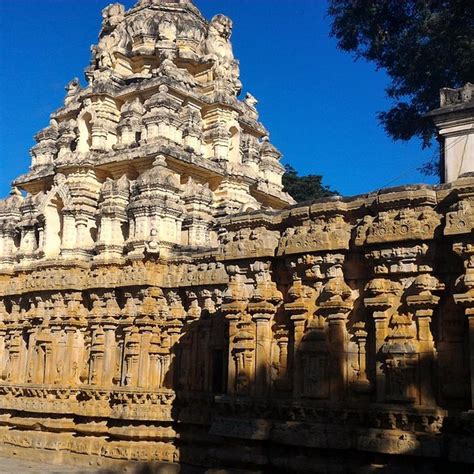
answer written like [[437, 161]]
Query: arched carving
[[59, 190], [51, 210], [84, 123], [54, 225]]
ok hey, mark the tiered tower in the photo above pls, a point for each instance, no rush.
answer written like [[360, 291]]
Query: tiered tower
[[150, 152]]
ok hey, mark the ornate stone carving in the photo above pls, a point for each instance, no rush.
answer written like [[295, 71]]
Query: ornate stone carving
[[461, 218], [256, 242], [392, 226], [323, 233]]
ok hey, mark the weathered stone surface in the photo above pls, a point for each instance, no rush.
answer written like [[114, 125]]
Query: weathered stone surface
[[160, 302]]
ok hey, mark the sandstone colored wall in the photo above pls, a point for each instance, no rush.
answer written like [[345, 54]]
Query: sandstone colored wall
[[341, 324]]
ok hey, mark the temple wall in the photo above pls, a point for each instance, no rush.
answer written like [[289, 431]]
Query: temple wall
[[343, 324]]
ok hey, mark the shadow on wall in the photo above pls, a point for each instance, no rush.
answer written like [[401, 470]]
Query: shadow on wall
[[282, 374], [330, 396], [307, 411]]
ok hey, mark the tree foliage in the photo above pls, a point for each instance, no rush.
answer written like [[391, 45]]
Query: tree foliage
[[304, 188], [423, 45]]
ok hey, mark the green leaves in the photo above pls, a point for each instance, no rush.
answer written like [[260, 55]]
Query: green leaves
[[423, 45], [304, 188]]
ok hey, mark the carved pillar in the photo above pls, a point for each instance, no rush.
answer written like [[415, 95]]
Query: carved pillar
[[423, 303], [187, 342], [105, 124], [131, 357], [262, 306], [141, 348], [198, 202], [7, 248], [69, 230], [34, 318], [14, 352], [97, 355], [28, 242], [156, 210], [161, 118], [460, 227], [67, 136], [154, 379], [465, 297], [49, 362], [81, 232], [52, 342], [130, 125], [233, 319], [110, 324], [243, 354], [299, 308], [380, 301], [235, 301], [335, 302], [145, 323], [75, 318], [9, 218], [361, 384], [97, 344], [176, 316], [112, 210], [282, 342], [262, 353], [44, 152], [174, 331], [110, 342], [3, 333], [146, 333], [27, 227]]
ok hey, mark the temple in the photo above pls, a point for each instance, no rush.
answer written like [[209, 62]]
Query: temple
[[163, 300]]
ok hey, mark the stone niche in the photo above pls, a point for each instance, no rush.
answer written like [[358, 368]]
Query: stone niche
[[162, 299]]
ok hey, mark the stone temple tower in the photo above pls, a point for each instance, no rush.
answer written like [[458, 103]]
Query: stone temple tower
[[150, 152]]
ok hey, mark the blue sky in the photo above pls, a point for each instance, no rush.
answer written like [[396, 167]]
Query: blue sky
[[318, 103]]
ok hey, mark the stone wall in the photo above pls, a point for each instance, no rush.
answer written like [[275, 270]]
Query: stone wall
[[343, 324]]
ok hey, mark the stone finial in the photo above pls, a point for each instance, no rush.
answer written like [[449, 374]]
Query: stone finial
[[461, 95], [250, 100], [112, 15]]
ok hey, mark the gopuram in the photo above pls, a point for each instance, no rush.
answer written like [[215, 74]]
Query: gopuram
[[163, 300]]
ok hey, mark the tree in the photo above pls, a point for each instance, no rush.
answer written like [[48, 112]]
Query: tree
[[423, 45], [304, 188]]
